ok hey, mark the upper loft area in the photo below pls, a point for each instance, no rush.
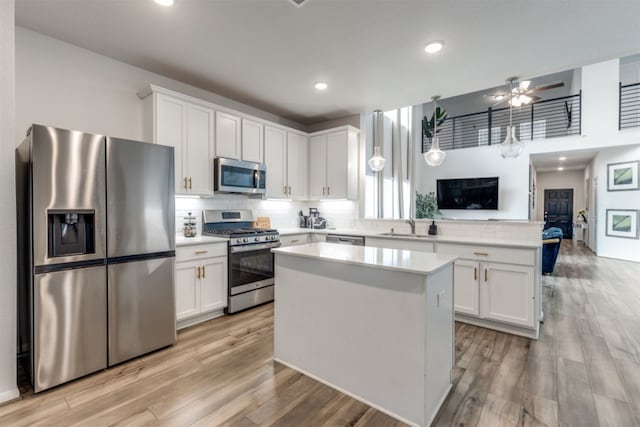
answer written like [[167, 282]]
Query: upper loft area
[[544, 107]]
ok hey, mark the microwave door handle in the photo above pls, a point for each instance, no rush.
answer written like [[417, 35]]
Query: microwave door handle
[[256, 178]]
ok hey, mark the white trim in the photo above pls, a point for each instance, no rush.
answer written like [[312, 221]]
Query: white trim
[[9, 395], [185, 323], [499, 326]]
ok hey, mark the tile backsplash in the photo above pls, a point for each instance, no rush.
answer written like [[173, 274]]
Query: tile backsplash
[[282, 213]]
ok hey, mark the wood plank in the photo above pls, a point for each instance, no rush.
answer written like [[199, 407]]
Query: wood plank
[[538, 411], [575, 402], [613, 413]]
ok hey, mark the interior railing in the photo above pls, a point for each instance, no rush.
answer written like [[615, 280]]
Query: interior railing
[[551, 118], [629, 111]]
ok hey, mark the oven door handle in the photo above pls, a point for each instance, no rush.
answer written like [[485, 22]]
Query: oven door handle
[[253, 247]]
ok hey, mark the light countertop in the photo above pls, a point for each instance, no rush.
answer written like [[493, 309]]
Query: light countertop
[[198, 240], [470, 240], [383, 258]]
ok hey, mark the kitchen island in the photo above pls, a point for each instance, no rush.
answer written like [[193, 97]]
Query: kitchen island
[[374, 323]]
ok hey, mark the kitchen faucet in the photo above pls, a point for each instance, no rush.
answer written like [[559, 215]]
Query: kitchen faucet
[[412, 224]]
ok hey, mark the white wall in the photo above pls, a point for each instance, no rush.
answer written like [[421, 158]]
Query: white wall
[[600, 98], [614, 247], [566, 179], [8, 389], [513, 198], [62, 85]]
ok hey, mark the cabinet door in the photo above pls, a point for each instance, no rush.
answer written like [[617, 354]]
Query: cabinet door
[[227, 135], [507, 293], [213, 284], [318, 167], [252, 141], [465, 285], [275, 157], [297, 165], [337, 165], [170, 121], [187, 289], [199, 150]]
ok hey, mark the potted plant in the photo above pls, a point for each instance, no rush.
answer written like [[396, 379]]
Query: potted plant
[[582, 215], [428, 124], [426, 205]]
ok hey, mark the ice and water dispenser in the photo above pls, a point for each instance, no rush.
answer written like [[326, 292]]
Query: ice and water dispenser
[[71, 232]]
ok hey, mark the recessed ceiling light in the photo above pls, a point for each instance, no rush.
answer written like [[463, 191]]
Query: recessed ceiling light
[[434, 46], [320, 85], [562, 159], [499, 97], [164, 2], [560, 168]]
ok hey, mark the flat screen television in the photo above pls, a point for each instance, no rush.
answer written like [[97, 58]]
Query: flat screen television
[[468, 193]]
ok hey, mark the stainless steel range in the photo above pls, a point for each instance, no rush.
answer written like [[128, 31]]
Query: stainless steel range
[[250, 258]]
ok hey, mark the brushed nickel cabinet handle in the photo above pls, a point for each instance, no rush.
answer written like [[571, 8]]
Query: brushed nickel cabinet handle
[[189, 183], [481, 254], [185, 183], [485, 275], [285, 190], [328, 191], [475, 273], [295, 241], [289, 190], [203, 271], [323, 191], [198, 272], [201, 252]]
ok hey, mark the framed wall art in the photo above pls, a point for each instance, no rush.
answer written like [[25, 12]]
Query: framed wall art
[[622, 176], [622, 223]]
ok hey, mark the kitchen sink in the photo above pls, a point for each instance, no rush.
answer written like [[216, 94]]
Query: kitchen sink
[[406, 235]]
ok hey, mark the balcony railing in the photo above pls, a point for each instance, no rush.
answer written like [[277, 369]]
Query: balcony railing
[[629, 106], [551, 118]]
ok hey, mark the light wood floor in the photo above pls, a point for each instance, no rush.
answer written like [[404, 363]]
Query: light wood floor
[[584, 370]]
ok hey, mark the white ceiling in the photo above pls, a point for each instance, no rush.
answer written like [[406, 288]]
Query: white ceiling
[[268, 53], [577, 159]]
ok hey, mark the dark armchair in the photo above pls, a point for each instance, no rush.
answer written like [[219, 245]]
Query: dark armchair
[[551, 240]]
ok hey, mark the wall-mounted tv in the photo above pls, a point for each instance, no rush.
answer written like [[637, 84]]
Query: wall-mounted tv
[[468, 193]]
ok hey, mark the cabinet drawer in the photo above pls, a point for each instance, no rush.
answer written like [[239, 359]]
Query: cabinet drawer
[[295, 239], [489, 253], [196, 252]]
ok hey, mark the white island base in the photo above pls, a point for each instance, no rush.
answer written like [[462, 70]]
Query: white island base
[[376, 324]]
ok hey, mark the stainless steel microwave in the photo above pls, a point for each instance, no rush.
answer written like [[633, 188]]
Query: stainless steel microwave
[[237, 176]]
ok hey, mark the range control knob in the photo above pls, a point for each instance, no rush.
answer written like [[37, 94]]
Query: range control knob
[[245, 240], [257, 239]]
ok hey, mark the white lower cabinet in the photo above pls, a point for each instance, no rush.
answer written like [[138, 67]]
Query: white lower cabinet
[[495, 291], [201, 282]]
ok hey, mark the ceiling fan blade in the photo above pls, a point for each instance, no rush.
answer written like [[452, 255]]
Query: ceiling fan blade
[[524, 85], [545, 87]]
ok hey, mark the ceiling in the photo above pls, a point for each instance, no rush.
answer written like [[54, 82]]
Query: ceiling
[[268, 53], [575, 160]]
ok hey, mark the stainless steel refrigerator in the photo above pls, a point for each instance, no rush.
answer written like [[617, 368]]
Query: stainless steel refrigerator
[[96, 243]]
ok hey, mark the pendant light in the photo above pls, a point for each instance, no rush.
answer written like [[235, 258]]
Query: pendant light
[[435, 156], [511, 147], [376, 163]]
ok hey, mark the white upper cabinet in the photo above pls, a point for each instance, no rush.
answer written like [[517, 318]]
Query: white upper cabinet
[[199, 149], [188, 128], [252, 147], [275, 158], [286, 155], [333, 164], [228, 135], [297, 165]]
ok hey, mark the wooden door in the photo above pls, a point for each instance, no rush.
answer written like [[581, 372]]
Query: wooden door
[[558, 210]]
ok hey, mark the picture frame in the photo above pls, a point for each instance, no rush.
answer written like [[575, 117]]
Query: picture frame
[[622, 223], [623, 176]]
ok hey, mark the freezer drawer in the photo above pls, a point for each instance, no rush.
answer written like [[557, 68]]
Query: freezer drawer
[[142, 313], [70, 325]]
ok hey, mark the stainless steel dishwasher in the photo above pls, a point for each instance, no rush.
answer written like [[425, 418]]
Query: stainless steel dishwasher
[[344, 239]]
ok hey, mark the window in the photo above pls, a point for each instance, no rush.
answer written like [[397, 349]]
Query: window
[[387, 194]]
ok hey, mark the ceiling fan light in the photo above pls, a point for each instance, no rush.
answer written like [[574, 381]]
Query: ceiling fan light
[[164, 2], [435, 156], [376, 163], [511, 147]]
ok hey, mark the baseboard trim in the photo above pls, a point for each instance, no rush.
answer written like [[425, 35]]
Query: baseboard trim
[[9, 396], [502, 327]]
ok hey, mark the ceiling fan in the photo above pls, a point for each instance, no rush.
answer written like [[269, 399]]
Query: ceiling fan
[[522, 93]]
